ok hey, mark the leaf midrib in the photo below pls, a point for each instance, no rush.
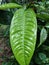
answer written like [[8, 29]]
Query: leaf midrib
[[24, 35]]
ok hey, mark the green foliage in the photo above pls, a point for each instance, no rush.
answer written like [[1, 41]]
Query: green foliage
[[9, 5], [43, 36], [41, 8], [47, 25], [23, 35], [41, 59]]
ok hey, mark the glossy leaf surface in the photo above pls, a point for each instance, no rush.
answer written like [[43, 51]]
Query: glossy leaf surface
[[23, 32]]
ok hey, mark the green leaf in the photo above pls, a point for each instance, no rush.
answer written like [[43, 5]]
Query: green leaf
[[9, 5], [47, 25], [23, 33], [43, 36], [43, 16], [42, 56]]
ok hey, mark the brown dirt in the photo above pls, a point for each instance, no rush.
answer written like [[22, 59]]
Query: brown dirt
[[4, 49]]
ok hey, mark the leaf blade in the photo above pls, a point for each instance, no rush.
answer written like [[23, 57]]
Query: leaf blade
[[23, 33], [9, 5], [43, 36]]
